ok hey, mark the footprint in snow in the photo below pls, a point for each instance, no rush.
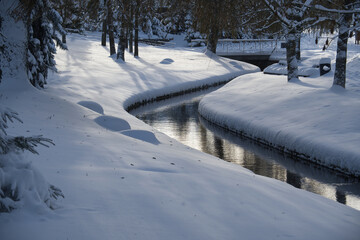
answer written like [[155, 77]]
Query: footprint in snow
[[92, 106]]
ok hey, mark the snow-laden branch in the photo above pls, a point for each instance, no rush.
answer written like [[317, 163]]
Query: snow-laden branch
[[7, 114], [324, 9], [280, 16], [305, 6]]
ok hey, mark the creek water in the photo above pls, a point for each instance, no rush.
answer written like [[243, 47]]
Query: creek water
[[178, 118]]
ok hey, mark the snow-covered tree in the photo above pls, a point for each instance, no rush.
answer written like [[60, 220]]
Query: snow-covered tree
[[293, 17], [217, 18], [44, 25], [20, 182], [344, 14], [72, 13]]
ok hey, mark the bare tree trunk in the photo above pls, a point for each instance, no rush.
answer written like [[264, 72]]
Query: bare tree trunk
[[136, 40], [298, 49], [112, 41], [122, 40], [131, 41], [340, 65], [292, 63], [213, 35], [111, 28], [121, 46], [104, 30], [131, 28], [127, 37], [213, 39]]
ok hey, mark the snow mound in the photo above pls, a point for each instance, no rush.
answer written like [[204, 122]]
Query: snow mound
[[142, 135], [281, 69], [167, 61], [112, 123], [92, 106]]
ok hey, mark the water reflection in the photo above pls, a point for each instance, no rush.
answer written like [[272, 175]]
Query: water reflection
[[179, 119]]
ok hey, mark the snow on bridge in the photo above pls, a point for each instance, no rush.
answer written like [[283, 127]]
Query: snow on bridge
[[252, 49]]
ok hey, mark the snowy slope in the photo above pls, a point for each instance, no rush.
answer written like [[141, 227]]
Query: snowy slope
[[136, 183]]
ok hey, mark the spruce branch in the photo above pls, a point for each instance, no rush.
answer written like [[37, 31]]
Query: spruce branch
[[30, 143]]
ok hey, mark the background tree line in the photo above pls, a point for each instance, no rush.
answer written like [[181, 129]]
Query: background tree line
[[48, 21]]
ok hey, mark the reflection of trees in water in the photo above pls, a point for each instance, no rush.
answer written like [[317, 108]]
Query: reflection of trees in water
[[293, 179], [181, 119], [219, 147], [182, 115], [204, 140], [149, 118], [340, 196]]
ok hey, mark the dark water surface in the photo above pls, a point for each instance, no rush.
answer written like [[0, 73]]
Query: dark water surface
[[179, 119]]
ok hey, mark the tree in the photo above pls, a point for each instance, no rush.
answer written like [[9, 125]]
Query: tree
[[72, 14], [215, 17], [122, 18], [110, 25], [131, 26], [294, 20], [43, 23], [342, 12], [136, 28], [19, 181]]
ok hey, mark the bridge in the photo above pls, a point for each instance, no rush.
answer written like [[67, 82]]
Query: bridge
[[261, 52]]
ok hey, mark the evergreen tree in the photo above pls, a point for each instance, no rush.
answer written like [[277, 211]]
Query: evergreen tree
[[72, 14], [14, 144], [19, 181], [44, 24]]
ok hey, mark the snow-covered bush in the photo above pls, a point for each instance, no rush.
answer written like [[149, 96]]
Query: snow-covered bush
[[20, 182], [158, 28], [148, 29]]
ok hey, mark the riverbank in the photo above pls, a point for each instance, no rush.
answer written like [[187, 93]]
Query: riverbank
[[308, 118], [124, 180]]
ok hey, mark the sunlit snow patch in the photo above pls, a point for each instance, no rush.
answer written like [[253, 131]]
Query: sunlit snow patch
[[143, 135], [92, 106], [112, 123]]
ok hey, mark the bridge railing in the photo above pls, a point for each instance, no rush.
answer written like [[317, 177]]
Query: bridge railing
[[246, 46]]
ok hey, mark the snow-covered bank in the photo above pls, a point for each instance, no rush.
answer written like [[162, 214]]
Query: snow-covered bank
[[307, 118], [147, 186]]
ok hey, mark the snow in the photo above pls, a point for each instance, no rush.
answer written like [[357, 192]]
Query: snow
[[307, 117], [131, 182]]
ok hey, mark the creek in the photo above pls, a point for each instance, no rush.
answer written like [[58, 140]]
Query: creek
[[178, 118]]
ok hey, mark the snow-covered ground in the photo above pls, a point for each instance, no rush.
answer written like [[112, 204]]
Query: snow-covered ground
[[308, 116], [123, 180]]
